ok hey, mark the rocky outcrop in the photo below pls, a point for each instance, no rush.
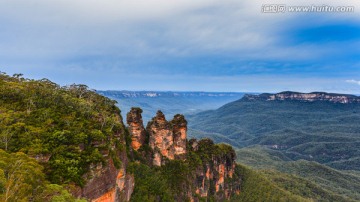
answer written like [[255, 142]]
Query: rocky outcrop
[[161, 138], [217, 176], [136, 128], [179, 126], [305, 97], [167, 139]]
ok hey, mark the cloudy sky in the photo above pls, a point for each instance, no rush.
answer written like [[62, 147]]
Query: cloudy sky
[[202, 45]]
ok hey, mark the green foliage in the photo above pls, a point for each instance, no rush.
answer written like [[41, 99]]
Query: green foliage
[[72, 125], [177, 178], [207, 150], [302, 187], [304, 178], [288, 131], [150, 184], [255, 187], [56, 193], [178, 175], [22, 179], [318, 131]]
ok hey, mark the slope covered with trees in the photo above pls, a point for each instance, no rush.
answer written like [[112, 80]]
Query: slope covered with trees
[[305, 178], [309, 148], [320, 131], [56, 125]]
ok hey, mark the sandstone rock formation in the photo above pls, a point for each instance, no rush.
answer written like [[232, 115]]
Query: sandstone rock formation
[[212, 176], [179, 126], [168, 141], [108, 184], [161, 138], [219, 168], [136, 128]]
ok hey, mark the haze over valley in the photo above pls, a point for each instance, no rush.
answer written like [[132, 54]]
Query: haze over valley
[[170, 103]]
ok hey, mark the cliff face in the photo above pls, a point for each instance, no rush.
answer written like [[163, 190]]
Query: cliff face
[[161, 138], [167, 139], [179, 125], [136, 128], [213, 177], [217, 176], [306, 97], [109, 182]]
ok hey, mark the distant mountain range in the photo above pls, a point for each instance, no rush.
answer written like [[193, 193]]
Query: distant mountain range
[[315, 136], [305, 97], [322, 127], [152, 94], [170, 102]]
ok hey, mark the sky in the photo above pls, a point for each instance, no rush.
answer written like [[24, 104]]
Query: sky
[[183, 45]]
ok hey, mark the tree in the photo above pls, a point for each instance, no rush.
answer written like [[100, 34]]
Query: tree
[[21, 177], [18, 76], [5, 137]]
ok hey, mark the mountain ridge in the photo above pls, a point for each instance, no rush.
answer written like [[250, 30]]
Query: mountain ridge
[[134, 94], [318, 130], [315, 139], [305, 97], [169, 102]]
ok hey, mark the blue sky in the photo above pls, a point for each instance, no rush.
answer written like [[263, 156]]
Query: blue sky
[[202, 45]]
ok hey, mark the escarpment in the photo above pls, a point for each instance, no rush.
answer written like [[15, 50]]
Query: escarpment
[[179, 125], [109, 181], [209, 169], [167, 139], [161, 138], [218, 174], [136, 128], [75, 134], [305, 97]]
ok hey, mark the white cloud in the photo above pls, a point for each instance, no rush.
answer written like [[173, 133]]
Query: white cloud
[[43, 34], [66, 28], [353, 81]]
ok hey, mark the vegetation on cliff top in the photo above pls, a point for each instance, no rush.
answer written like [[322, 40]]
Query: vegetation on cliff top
[[178, 175], [66, 128]]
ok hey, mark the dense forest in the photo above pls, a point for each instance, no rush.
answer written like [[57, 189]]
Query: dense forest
[[55, 125]]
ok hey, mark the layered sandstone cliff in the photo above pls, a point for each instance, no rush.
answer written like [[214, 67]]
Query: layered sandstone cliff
[[136, 128], [179, 126], [167, 139], [306, 97], [217, 176]]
